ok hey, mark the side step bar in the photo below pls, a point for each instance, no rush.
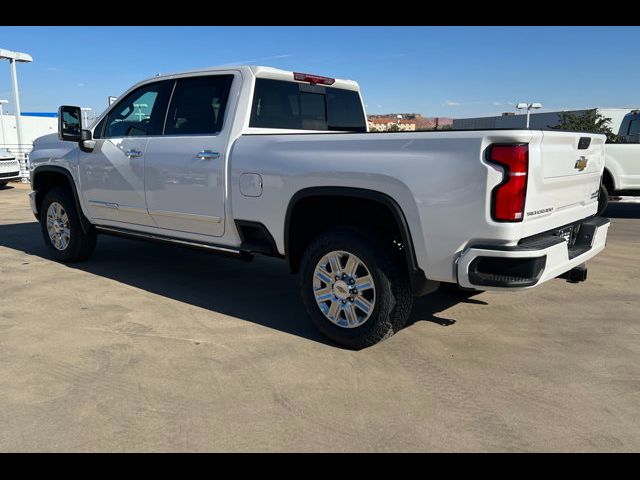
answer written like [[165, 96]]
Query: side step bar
[[222, 250]]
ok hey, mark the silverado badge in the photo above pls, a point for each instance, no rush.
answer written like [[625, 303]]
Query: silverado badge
[[581, 163]]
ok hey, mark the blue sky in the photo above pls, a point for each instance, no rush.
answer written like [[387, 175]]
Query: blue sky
[[436, 71]]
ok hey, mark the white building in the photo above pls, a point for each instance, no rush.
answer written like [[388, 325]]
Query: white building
[[33, 126], [543, 120]]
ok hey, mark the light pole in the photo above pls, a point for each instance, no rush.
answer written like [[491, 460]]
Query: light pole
[[528, 107], [2, 102], [140, 106], [13, 58]]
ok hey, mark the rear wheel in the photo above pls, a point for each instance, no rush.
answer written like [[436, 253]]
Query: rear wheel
[[603, 199], [355, 290], [60, 223]]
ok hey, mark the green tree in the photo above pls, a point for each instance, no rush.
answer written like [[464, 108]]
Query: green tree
[[393, 128], [591, 121]]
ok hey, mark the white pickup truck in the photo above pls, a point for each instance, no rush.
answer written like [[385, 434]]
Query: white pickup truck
[[246, 160], [621, 175]]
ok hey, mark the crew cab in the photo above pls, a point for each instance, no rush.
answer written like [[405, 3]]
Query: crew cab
[[254, 160]]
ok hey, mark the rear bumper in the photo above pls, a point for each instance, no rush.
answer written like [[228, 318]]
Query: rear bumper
[[532, 261]]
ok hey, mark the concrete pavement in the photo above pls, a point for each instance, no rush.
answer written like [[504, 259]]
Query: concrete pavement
[[156, 348]]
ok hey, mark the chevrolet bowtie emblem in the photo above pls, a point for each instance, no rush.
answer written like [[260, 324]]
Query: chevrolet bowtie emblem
[[581, 163]]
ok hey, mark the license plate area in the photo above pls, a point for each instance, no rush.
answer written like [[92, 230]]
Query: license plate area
[[581, 234], [567, 233]]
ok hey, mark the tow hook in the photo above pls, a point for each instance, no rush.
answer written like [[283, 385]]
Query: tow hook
[[576, 274]]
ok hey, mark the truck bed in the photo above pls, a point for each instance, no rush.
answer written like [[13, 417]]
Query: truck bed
[[441, 180]]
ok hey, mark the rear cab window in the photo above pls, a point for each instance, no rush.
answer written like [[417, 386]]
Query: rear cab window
[[633, 135], [287, 105]]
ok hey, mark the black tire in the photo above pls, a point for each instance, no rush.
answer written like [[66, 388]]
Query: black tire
[[81, 245], [603, 199], [393, 297], [3, 184]]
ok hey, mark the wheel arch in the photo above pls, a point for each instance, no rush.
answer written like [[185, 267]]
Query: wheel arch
[[608, 180], [46, 177], [420, 285]]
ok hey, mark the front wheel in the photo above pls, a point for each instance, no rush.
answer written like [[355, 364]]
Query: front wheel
[[3, 184], [61, 229], [603, 199], [355, 290]]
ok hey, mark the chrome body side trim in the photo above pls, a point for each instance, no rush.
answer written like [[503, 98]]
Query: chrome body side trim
[[189, 216], [96, 203], [116, 206], [177, 241]]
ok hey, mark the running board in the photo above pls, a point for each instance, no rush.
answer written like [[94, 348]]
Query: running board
[[122, 232]]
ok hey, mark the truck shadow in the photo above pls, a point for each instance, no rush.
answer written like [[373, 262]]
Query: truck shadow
[[622, 210], [262, 291]]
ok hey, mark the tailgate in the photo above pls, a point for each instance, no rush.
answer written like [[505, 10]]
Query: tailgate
[[564, 178]]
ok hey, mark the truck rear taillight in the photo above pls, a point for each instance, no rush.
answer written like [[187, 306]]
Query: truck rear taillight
[[313, 79], [508, 198]]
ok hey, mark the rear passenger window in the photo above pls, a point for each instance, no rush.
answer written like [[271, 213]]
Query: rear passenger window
[[298, 106], [198, 105]]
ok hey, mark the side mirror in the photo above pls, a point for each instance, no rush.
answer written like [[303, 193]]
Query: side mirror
[[87, 144], [69, 123]]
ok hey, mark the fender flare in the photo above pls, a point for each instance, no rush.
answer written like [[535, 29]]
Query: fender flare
[[608, 171], [85, 224], [420, 285]]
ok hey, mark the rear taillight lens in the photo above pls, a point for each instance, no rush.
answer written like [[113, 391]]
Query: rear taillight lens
[[508, 198]]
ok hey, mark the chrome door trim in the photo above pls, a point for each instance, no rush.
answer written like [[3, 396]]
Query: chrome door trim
[[97, 203], [187, 216], [116, 206]]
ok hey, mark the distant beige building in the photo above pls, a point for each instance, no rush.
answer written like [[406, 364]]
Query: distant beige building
[[384, 124], [408, 123]]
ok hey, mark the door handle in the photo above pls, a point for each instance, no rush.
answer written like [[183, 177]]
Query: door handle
[[133, 153], [207, 155]]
